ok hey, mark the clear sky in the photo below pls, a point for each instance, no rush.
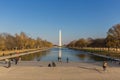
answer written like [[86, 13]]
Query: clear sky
[[43, 18]]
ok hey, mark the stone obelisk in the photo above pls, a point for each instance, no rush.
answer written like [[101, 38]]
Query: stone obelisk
[[60, 38], [60, 46]]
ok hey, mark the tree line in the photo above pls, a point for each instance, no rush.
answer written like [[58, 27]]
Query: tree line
[[21, 41], [112, 40]]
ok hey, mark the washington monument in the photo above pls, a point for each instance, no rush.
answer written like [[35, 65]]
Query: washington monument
[[60, 38]]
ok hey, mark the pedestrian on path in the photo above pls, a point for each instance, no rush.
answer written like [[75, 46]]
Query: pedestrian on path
[[53, 64], [67, 60], [16, 60], [104, 65], [49, 65], [8, 62]]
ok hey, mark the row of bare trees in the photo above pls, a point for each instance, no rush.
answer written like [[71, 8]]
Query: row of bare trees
[[111, 41], [100, 42], [21, 41]]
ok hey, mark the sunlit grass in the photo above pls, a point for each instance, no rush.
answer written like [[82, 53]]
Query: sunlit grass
[[10, 52], [111, 53]]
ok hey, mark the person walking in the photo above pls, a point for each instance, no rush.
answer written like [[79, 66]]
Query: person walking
[[49, 65], [67, 60], [53, 64], [9, 63], [104, 65], [16, 60]]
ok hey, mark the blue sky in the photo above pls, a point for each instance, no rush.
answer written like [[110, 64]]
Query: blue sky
[[43, 18]]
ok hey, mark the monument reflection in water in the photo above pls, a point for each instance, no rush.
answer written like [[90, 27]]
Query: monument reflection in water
[[60, 55]]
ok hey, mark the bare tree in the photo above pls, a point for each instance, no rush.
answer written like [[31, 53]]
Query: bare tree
[[81, 43], [114, 33]]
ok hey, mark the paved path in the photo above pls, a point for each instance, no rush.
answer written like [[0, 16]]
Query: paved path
[[32, 70]]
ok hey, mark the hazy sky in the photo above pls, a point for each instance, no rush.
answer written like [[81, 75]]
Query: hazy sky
[[43, 18]]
